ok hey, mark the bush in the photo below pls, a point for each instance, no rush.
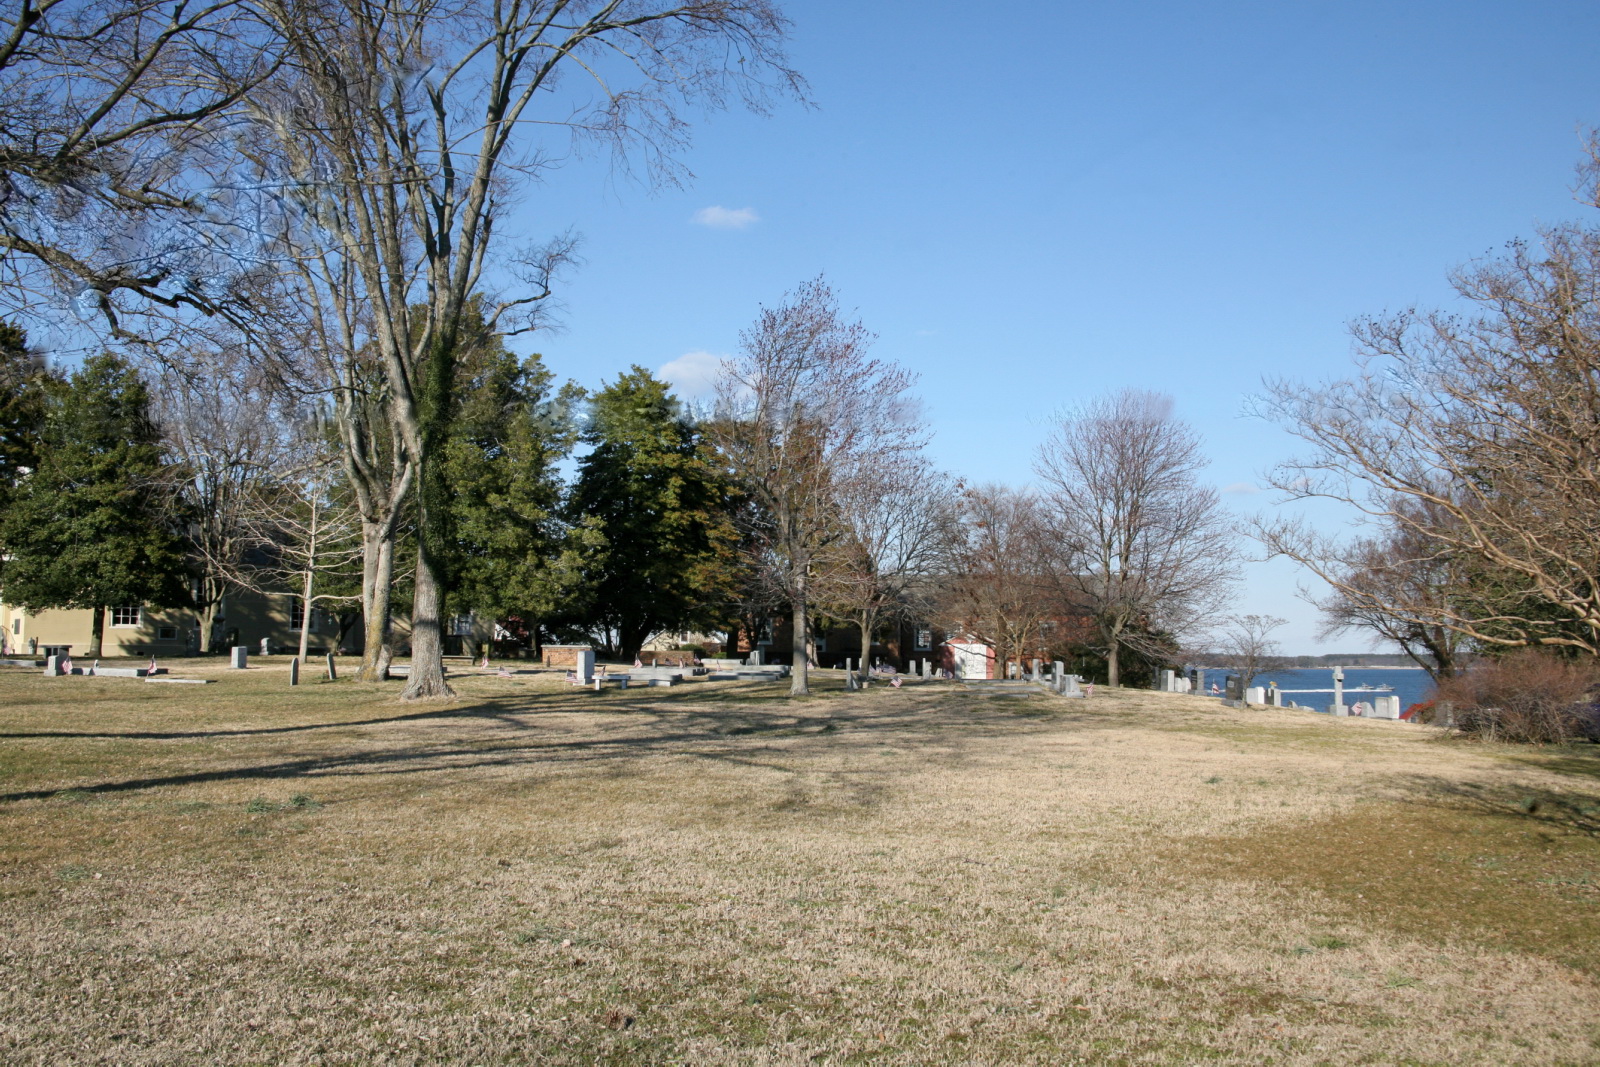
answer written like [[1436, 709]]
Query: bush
[[1527, 696]]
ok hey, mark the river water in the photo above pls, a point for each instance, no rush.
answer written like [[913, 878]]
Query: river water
[[1411, 685]]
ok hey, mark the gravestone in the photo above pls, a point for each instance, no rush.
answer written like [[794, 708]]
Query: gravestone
[[584, 666], [1035, 676], [1058, 678], [52, 666], [241, 657], [266, 646], [294, 671], [1387, 707], [754, 659], [1166, 684], [333, 672], [1233, 690], [1255, 695], [1338, 692]]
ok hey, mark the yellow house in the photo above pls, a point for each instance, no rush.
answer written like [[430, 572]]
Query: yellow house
[[138, 630]]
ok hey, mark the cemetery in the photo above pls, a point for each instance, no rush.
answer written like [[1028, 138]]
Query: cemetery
[[466, 599], [542, 871]]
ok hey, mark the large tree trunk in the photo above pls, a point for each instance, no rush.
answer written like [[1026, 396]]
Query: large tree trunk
[[377, 575], [427, 649], [208, 624], [799, 679], [97, 632], [428, 607], [867, 621], [1113, 673]]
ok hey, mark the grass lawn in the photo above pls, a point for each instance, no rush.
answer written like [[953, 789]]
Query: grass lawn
[[247, 873]]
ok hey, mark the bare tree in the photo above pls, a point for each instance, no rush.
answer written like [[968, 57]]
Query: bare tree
[[111, 125], [892, 537], [310, 534], [802, 414], [1137, 540], [1246, 644], [401, 127], [1400, 585], [1475, 442], [995, 589], [227, 433]]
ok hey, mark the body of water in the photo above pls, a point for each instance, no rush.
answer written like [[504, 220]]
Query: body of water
[[1410, 685]]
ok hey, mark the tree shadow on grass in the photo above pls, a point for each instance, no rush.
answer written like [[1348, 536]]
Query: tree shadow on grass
[[655, 722], [1555, 810]]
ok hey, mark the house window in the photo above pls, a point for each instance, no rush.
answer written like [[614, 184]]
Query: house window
[[297, 614], [924, 638], [167, 633], [125, 616], [462, 625], [16, 626]]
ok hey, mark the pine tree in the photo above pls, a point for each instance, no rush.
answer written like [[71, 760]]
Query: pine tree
[[90, 526], [511, 554], [665, 514], [22, 408]]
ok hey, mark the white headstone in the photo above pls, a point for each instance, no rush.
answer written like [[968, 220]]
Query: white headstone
[[1059, 676], [585, 666], [1255, 695], [755, 658], [1386, 707], [241, 657], [266, 646], [1167, 678], [52, 666]]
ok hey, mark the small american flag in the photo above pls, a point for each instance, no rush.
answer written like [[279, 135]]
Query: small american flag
[[152, 668], [485, 662], [504, 673], [66, 664]]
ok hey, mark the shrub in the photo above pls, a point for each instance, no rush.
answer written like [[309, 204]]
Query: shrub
[[1527, 696]]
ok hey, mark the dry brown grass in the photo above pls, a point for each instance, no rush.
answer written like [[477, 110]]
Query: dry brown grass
[[714, 873]]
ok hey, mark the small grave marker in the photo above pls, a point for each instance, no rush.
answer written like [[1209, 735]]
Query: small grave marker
[[294, 671]]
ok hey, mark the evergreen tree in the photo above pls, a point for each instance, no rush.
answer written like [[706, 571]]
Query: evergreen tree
[[668, 562], [510, 552], [90, 526], [22, 407]]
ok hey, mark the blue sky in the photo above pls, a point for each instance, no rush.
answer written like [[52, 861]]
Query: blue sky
[[1053, 201]]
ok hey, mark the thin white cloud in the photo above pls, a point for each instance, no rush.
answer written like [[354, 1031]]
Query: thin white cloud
[[1241, 488], [727, 218], [692, 374]]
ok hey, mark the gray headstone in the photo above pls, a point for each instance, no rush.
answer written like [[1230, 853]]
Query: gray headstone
[[52, 666], [333, 671], [755, 658], [241, 657], [1060, 676], [585, 666], [1035, 675], [294, 671]]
